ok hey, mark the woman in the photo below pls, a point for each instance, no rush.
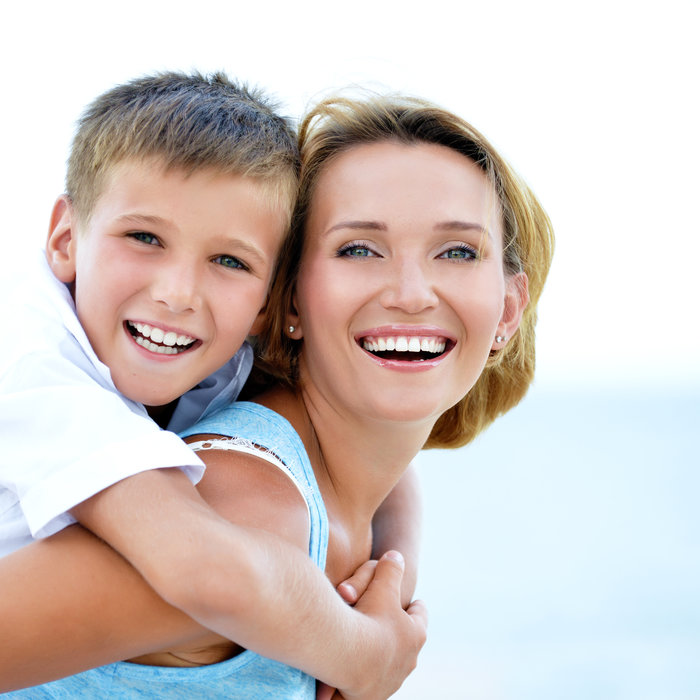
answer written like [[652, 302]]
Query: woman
[[402, 317]]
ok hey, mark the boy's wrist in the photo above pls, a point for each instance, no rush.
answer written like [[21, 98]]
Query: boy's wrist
[[383, 642]]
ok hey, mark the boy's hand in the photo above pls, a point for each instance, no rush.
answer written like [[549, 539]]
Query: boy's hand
[[353, 588], [367, 652], [325, 692], [400, 634]]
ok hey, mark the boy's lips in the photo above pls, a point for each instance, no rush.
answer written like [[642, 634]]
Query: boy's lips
[[160, 340]]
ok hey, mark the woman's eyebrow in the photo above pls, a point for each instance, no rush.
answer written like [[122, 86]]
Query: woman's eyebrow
[[358, 225], [458, 225], [369, 225]]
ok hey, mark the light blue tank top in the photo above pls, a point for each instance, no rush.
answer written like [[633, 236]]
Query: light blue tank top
[[247, 676]]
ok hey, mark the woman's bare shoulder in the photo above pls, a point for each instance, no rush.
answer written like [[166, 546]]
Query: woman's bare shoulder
[[248, 488]]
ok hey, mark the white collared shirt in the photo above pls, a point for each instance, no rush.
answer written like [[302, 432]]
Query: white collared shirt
[[66, 433]]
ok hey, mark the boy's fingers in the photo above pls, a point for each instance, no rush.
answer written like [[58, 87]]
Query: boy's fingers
[[392, 557], [352, 589], [389, 572], [348, 592], [324, 692], [419, 612]]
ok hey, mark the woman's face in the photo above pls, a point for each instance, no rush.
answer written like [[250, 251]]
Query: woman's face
[[401, 289]]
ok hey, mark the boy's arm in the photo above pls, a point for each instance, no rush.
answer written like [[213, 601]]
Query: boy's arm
[[250, 586]]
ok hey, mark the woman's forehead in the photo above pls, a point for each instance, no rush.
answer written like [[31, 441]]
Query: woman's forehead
[[381, 184]]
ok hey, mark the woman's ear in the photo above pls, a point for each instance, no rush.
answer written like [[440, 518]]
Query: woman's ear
[[61, 241], [514, 303], [292, 322]]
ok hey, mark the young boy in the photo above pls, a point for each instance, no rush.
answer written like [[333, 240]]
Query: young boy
[[158, 259]]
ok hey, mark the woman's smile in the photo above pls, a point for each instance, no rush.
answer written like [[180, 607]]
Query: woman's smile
[[407, 349], [403, 262]]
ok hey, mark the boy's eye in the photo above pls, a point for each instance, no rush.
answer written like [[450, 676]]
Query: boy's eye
[[231, 262], [460, 252], [144, 237]]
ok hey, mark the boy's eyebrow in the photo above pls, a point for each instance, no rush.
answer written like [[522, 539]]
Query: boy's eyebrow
[[141, 219], [245, 247]]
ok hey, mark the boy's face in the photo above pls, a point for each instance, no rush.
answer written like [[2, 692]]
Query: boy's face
[[170, 273]]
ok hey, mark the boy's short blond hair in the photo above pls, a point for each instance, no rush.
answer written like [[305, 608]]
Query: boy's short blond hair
[[338, 124], [187, 121]]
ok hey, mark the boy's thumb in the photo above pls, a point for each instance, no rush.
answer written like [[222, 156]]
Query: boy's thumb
[[390, 569]]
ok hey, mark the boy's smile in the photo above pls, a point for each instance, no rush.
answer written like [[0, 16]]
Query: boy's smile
[[169, 273], [160, 340]]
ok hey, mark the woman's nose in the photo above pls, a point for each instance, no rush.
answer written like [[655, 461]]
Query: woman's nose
[[409, 287]]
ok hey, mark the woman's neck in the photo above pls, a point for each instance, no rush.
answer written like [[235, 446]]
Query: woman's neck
[[357, 461]]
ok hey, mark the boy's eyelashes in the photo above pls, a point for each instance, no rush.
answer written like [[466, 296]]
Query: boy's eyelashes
[[228, 261], [231, 262], [144, 237]]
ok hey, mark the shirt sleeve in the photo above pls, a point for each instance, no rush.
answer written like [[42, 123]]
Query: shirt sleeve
[[64, 437]]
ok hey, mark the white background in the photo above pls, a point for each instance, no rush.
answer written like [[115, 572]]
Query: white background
[[594, 103]]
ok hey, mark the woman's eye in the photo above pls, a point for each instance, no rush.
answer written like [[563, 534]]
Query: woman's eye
[[462, 252], [355, 251], [230, 262], [144, 237]]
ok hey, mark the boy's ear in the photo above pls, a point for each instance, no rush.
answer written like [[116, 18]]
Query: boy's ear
[[259, 322], [61, 241], [514, 303]]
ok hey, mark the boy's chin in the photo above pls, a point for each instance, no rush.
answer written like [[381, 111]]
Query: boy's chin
[[155, 401], [163, 413]]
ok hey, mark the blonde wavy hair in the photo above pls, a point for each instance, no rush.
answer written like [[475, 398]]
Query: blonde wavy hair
[[338, 124]]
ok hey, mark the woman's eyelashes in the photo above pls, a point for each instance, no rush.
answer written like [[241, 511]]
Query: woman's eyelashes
[[456, 252], [356, 249], [460, 252]]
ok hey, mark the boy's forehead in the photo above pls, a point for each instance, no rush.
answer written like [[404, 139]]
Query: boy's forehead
[[154, 170], [146, 182]]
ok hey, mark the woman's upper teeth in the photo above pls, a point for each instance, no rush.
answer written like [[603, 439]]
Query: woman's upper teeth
[[404, 343], [158, 335]]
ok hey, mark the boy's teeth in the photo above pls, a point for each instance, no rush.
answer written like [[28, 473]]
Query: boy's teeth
[[158, 335], [404, 343], [159, 349]]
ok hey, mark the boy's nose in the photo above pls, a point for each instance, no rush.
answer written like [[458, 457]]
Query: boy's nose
[[177, 286], [408, 287]]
